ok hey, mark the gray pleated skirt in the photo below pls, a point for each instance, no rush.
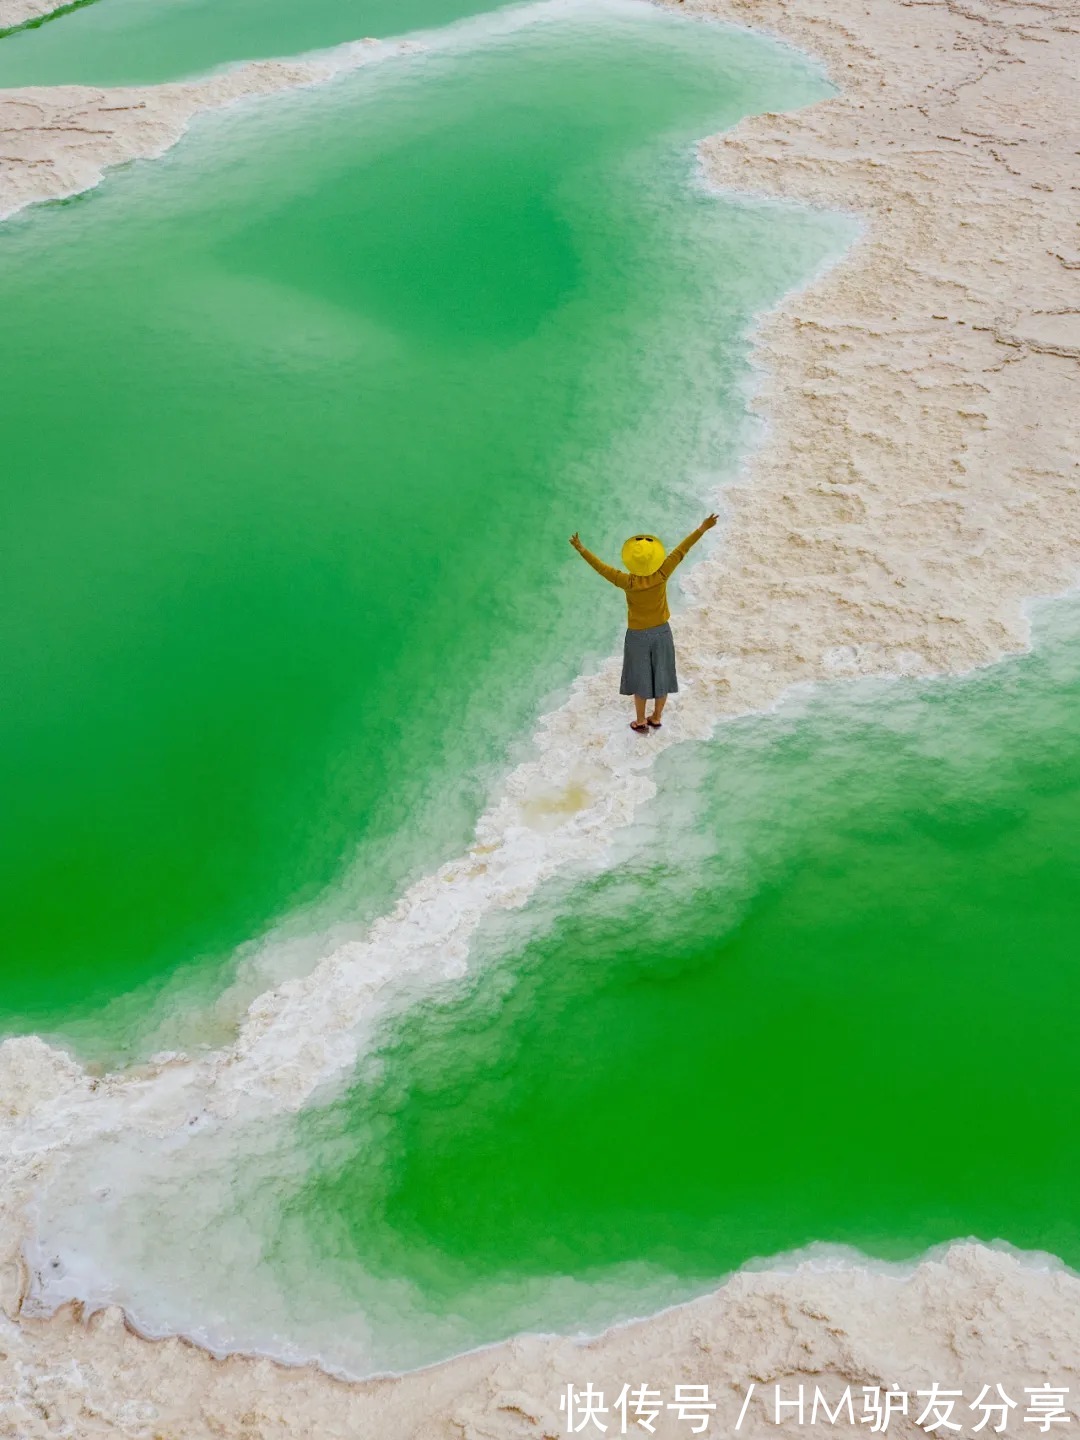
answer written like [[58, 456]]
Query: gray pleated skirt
[[648, 666]]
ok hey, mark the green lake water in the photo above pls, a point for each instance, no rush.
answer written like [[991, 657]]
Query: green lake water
[[832, 998], [145, 42], [827, 994], [299, 419]]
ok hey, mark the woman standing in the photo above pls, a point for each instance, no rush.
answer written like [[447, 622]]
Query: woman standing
[[649, 650]]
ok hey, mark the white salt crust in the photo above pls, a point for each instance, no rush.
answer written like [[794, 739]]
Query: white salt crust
[[17, 12]]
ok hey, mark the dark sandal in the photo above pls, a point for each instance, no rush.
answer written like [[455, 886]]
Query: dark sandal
[[642, 729], [655, 724]]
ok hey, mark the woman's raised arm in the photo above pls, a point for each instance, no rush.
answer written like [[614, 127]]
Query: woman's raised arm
[[617, 577], [679, 553]]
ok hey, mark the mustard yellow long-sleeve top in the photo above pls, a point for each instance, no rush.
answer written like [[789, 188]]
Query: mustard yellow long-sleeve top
[[646, 595]]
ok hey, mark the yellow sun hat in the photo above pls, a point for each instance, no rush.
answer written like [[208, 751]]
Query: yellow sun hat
[[643, 554]]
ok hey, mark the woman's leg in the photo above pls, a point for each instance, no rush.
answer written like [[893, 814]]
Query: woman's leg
[[639, 707], [658, 708]]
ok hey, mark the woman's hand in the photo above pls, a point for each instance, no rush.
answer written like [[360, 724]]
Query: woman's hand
[[575, 541], [708, 522]]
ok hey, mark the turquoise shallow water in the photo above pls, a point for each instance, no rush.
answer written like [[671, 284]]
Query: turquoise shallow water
[[311, 405], [145, 42], [826, 993]]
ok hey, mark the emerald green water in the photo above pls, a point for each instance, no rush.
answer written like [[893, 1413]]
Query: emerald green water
[[827, 994], [846, 1023], [834, 1002], [145, 42], [298, 419]]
